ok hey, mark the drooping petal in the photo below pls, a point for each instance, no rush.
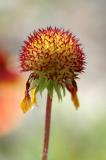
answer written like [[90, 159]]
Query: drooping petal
[[33, 97], [72, 88], [75, 100], [26, 103], [30, 98]]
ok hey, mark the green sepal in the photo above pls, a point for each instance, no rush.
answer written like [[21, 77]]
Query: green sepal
[[64, 91], [43, 82], [69, 81], [50, 88], [36, 82], [57, 88], [33, 84]]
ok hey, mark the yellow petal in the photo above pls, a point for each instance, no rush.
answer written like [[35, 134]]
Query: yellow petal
[[33, 97], [25, 104], [28, 101]]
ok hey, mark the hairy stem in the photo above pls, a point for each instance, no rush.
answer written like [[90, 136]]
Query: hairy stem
[[47, 128]]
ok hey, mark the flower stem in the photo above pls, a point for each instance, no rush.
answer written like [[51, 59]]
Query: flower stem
[[47, 128]]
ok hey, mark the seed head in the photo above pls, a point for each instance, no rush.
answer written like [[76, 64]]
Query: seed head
[[55, 58]]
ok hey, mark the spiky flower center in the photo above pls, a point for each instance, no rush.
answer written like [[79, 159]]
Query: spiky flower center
[[53, 53]]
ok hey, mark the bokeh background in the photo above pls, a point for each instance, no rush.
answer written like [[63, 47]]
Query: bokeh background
[[75, 135]]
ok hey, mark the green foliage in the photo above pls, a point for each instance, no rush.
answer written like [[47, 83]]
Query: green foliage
[[50, 88], [43, 83], [57, 88], [64, 91]]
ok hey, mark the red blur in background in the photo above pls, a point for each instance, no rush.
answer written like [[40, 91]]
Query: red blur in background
[[10, 95]]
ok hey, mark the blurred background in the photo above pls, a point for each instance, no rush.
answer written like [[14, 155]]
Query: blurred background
[[75, 135]]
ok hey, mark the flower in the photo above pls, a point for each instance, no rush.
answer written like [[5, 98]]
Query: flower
[[6, 74], [10, 84], [54, 58]]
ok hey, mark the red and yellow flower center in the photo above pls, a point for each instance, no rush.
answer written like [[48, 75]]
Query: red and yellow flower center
[[54, 53]]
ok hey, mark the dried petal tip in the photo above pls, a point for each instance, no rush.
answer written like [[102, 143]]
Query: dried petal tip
[[75, 100], [72, 88]]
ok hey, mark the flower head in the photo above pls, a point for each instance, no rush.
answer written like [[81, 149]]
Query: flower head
[[54, 58]]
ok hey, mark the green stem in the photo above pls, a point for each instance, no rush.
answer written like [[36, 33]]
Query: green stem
[[47, 128]]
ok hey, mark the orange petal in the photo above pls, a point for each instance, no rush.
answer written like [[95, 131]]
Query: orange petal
[[75, 101], [72, 88]]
